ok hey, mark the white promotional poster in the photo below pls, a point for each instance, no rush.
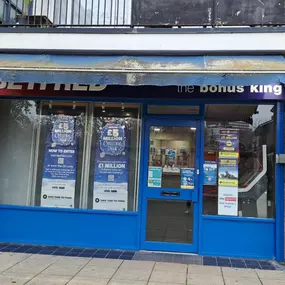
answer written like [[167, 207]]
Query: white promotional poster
[[228, 201], [111, 167], [59, 171]]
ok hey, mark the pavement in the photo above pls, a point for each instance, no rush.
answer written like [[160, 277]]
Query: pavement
[[38, 269]]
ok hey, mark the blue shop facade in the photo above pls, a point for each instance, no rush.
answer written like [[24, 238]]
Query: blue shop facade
[[170, 162]]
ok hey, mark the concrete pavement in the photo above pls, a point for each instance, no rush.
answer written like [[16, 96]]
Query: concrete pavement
[[26, 269]]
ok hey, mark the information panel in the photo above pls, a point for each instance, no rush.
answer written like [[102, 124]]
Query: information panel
[[188, 178], [60, 162], [111, 167]]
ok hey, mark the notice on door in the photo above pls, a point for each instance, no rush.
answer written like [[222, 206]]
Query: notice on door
[[210, 173], [154, 176], [187, 178], [228, 173]]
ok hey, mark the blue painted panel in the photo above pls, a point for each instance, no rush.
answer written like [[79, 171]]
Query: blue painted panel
[[169, 70], [237, 238], [69, 228]]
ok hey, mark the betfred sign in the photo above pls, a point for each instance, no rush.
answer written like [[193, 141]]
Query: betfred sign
[[53, 87]]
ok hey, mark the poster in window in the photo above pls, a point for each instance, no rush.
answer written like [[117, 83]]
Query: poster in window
[[187, 178], [111, 167], [154, 176], [210, 173], [60, 162], [228, 172]]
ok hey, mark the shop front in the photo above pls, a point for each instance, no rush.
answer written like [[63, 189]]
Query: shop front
[[193, 169]]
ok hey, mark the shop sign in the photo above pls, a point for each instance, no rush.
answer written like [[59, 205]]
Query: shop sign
[[228, 172], [52, 87], [111, 167], [60, 162]]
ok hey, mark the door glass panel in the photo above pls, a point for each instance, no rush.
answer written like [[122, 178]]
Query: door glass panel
[[170, 221], [172, 157]]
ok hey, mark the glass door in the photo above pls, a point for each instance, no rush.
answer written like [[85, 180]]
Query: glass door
[[170, 185]]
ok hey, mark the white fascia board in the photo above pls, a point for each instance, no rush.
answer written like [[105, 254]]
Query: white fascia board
[[144, 42]]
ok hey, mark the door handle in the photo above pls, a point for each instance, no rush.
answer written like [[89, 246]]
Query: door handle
[[173, 194]]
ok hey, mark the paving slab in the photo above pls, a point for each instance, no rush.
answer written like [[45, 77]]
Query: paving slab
[[204, 279], [239, 272], [164, 266], [67, 270], [97, 272], [135, 264], [270, 274], [162, 276], [102, 262], [164, 283], [87, 281], [205, 270], [241, 281], [132, 274], [14, 279], [49, 280], [127, 282], [273, 282]]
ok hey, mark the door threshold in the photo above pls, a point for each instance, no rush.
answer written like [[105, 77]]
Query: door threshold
[[168, 252]]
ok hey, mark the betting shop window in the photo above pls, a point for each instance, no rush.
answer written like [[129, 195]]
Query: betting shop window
[[239, 161], [18, 120], [113, 177], [41, 149]]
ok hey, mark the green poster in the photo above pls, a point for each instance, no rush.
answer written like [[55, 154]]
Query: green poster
[[154, 176]]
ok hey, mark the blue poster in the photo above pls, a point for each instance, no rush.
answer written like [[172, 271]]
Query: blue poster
[[111, 167], [60, 162], [210, 173], [187, 178]]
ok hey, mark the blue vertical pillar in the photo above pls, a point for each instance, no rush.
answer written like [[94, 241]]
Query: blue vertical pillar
[[280, 184]]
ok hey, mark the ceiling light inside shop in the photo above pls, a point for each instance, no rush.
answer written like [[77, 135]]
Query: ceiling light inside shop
[[193, 129], [156, 129]]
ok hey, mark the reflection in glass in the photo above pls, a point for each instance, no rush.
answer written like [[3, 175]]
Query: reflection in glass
[[255, 126], [169, 221], [173, 150]]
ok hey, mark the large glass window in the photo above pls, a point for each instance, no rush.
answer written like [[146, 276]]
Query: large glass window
[[17, 121], [239, 161], [69, 154]]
